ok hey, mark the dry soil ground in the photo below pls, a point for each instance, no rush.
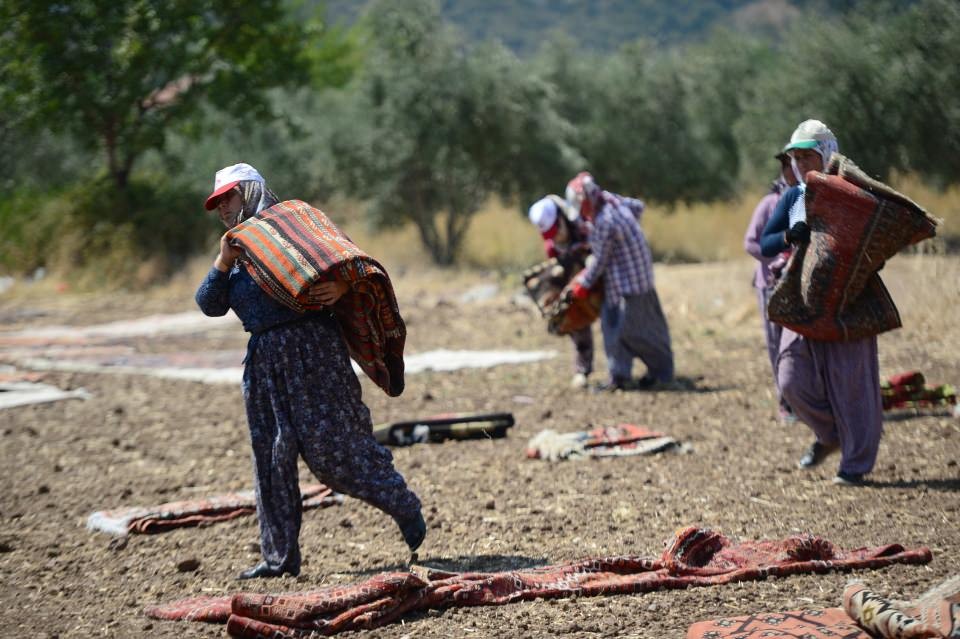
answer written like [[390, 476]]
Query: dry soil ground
[[143, 441]]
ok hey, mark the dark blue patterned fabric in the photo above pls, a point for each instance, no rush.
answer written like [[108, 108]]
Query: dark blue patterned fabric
[[258, 312], [220, 292], [303, 399]]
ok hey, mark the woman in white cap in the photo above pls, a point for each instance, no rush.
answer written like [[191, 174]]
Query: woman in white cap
[[565, 238], [301, 394], [833, 387]]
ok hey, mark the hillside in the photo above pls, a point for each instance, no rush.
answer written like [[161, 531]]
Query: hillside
[[605, 24]]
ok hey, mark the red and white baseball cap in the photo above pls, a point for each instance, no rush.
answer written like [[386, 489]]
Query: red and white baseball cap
[[543, 214], [227, 178]]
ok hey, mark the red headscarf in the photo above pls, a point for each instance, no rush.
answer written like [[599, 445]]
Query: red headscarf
[[583, 194]]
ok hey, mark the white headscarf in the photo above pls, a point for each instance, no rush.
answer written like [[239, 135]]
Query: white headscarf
[[825, 144]]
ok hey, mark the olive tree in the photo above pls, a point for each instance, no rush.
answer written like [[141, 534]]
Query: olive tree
[[116, 74], [432, 130]]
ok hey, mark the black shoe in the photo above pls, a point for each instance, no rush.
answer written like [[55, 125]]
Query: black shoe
[[414, 532], [611, 386], [848, 479], [263, 571], [816, 454], [646, 382]]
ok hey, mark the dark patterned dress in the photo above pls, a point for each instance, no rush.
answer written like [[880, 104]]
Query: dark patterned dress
[[303, 399]]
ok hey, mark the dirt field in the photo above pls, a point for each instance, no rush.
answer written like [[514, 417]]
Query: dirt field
[[143, 441]]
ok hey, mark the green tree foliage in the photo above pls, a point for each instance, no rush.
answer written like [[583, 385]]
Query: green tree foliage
[[886, 83], [425, 125], [433, 131], [924, 76], [115, 75]]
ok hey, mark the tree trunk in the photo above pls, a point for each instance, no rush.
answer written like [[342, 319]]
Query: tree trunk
[[119, 171]]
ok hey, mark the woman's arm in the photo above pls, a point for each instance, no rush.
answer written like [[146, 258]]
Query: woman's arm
[[761, 215], [213, 296], [601, 245], [773, 240]]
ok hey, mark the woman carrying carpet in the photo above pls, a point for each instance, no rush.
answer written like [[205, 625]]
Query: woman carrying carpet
[[832, 386], [302, 396], [565, 238]]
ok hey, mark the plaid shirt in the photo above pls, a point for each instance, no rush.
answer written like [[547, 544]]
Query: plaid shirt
[[620, 250]]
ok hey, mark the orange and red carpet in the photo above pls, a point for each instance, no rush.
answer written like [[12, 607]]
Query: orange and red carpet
[[865, 615], [696, 557]]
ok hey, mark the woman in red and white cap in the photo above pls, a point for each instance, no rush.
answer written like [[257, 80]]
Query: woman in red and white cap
[[565, 238], [303, 398], [631, 319]]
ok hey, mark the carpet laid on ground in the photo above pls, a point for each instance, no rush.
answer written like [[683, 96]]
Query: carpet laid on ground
[[606, 441], [910, 390], [196, 512], [830, 623], [695, 557], [865, 615], [24, 393]]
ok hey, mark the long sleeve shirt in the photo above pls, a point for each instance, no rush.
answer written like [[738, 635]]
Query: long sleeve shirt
[[773, 242], [620, 250], [219, 292], [575, 245], [762, 276]]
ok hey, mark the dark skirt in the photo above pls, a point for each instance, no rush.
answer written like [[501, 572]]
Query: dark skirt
[[303, 399]]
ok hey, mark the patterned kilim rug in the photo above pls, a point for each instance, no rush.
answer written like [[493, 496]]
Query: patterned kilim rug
[[196, 512], [291, 247], [831, 623], [548, 284], [935, 614], [696, 557], [865, 615], [910, 390], [830, 289], [612, 441], [444, 427]]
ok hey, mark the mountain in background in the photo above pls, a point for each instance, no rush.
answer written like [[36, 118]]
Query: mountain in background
[[603, 25]]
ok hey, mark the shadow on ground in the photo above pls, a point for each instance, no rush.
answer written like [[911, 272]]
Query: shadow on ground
[[460, 563], [946, 485]]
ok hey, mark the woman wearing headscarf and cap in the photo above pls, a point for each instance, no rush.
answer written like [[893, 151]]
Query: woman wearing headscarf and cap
[[565, 238], [833, 387], [301, 393], [631, 319], [763, 277]]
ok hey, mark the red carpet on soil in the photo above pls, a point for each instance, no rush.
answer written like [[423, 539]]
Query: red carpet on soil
[[865, 615], [197, 512], [831, 623], [910, 390], [696, 557]]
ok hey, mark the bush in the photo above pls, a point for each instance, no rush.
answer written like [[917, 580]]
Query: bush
[[102, 236]]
